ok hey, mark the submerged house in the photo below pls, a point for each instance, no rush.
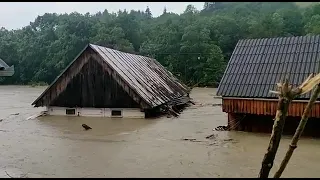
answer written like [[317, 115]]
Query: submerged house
[[5, 70], [255, 67], [105, 82]]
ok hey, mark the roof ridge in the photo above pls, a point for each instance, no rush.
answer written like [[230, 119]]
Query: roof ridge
[[266, 38]]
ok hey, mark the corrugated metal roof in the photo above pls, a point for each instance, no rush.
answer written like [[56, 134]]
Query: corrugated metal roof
[[145, 75], [256, 65]]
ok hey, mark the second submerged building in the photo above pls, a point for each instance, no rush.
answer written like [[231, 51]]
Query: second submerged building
[[255, 67]]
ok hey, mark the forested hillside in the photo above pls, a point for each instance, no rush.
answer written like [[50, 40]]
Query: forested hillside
[[194, 45]]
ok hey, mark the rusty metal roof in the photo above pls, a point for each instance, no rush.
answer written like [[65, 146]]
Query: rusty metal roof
[[145, 75], [256, 65]]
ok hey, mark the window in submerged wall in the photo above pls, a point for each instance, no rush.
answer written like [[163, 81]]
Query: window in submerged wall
[[116, 113], [70, 111]]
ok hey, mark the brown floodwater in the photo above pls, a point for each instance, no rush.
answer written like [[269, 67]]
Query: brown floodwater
[[59, 147]]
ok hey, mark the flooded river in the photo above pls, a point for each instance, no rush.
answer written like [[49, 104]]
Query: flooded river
[[59, 147]]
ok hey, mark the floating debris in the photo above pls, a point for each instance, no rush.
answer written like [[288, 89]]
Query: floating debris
[[210, 136], [86, 127], [42, 113], [193, 103], [189, 139], [222, 128], [211, 144], [192, 140], [22, 176]]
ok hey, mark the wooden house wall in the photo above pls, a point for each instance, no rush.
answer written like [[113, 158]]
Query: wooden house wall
[[94, 87], [266, 107]]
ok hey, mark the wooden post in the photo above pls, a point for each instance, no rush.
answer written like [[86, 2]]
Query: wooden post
[[268, 159], [286, 95], [232, 121], [298, 133]]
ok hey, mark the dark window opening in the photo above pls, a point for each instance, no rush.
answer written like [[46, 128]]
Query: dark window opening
[[70, 111], [116, 113]]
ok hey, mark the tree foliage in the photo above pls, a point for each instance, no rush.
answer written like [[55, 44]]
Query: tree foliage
[[195, 45]]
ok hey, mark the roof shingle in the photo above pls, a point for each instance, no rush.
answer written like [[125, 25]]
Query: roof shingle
[[256, 65], [145, 75]]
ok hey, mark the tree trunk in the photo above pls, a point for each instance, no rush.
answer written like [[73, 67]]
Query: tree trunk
[[281, 114], [298, 133], [286, 95]]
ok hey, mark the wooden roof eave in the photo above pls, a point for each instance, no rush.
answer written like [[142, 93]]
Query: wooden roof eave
[[264, 99]]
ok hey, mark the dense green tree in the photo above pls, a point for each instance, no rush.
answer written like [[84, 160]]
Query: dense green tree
[[148, 13], [313, 26], [195, 45], [164, 10]]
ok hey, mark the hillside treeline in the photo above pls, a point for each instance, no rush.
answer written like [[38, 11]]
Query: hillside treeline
[[195, 45]]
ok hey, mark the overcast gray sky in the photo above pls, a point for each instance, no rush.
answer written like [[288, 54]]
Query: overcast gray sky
[[15, 15]]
